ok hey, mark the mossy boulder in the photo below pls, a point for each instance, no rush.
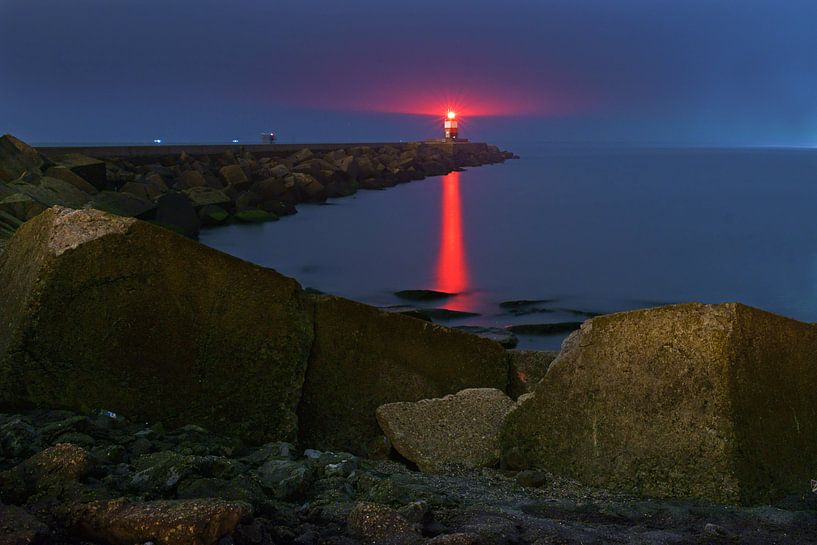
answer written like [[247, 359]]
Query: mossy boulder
[[364, 357], [108, 312], [708, 401]]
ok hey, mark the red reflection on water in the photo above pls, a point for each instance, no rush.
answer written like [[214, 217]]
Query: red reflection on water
[[452, 266]]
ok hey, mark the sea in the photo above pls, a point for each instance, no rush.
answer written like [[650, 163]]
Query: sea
[[562, 234]]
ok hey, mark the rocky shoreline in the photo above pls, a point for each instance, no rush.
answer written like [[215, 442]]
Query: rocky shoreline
[[185, 192], [69, 478]]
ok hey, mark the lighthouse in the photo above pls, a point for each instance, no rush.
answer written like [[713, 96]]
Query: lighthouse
[[450, 126]]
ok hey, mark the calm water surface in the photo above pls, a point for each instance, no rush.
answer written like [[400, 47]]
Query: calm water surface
[[591, 230]]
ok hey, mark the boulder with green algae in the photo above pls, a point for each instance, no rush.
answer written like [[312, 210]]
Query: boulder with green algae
[[107, 312], [708, 401], [364, 357]]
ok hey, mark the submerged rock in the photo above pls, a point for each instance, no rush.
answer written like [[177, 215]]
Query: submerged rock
[[460, 429], [364, 357], [710, 401], [104, 311]]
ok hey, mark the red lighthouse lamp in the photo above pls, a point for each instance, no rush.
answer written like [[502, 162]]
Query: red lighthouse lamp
[[450, 126]]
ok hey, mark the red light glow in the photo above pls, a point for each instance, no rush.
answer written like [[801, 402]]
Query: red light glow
[[452, 266], [452, 114]]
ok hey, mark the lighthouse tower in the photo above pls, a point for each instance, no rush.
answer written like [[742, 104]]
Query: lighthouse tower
[[450, 126]]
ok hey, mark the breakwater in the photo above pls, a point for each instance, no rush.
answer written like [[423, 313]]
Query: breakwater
[[186, 187]]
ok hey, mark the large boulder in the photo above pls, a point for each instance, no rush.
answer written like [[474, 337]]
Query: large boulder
[[364, 357], [18, 159], [709, 401], [174, 210], [122, 204], [108, 312], [461, 429]]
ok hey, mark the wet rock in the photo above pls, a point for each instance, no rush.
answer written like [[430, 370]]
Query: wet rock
[[254, 216], [211, 215], [528, 367], [377, 524], [18, 527], [18, 439], [182, 522], [686, 402], [532, 478], [191, 335], [497, 334], [363, 357], [174, 210], [423, 295], [460, 429]]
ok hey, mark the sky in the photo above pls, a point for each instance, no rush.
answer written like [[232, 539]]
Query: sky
[[669, 72]]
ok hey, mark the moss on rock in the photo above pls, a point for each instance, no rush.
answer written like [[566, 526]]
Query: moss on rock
[[108, 312]]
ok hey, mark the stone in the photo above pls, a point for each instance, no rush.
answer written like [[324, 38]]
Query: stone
[[212, 214], [174, 210], [285, 479], [89, 169], [233, 175], [122, 204], [461, 429], [254, 216], [51, 191], [18, 439], [192, 178], [544, 329], [307, 186], [67, 175], [528, 367], [52, 471], [423, 295], [379, 524], [205, 196], [364, 357], [532, 478], [18, 159], [191, 335], [301, 156], [19, 527], [705, 401], [180, 522]]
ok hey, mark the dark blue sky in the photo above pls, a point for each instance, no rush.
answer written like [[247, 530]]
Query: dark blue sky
[[643, 71]]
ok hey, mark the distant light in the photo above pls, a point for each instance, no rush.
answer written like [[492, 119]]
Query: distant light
[[451, 114], [157, 140], [235, 141]]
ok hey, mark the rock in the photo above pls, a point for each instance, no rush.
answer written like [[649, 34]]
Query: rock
[[181, 522], [51, 191], [20, 206], [423, 295], [460, 538], [18, 439], [175, 210], [528, 367], [52, 471], [205, 196], [301, 156], [285, 479], [192, 178], [544, 329], [89, 169], [18, 527], [532, 478], [157, 474], [67, 175], [122, 204], [497, 334], [279, 171], [307, 186], [378, 524], [191, 335], [460, 429], [707, 401], [212, 214], [364, 357], [18, 158], [234, 176], [272, 188]]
